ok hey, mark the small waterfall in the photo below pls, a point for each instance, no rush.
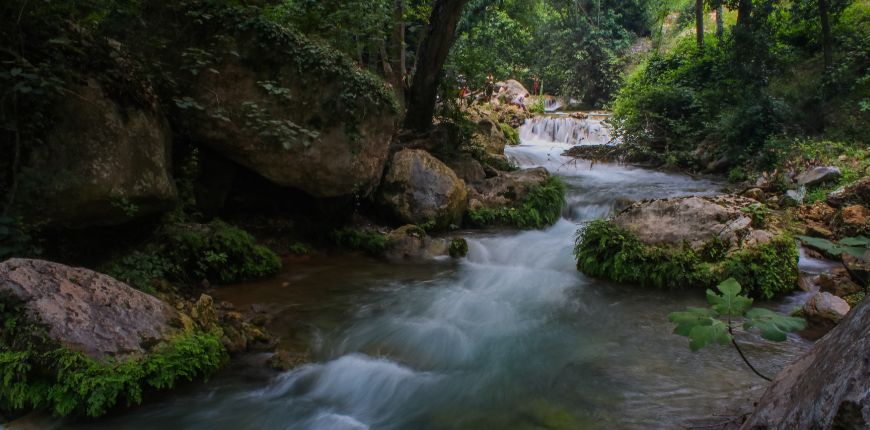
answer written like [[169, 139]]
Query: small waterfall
[[567, 130], [552, 105]]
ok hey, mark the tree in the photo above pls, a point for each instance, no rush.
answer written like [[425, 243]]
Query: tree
[[827, 43], [436, 43], [699, 23]]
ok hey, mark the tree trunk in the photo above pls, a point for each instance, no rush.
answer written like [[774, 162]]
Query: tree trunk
[[744, 12], [397, 51], [433, 52], [699, 24], [826, 36], [720, 21]]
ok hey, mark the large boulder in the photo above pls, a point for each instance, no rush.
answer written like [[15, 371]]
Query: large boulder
[[295, 112], [827, 388], [103, 162], [693, 220], [818, 175], [508, 189], [420, 189], [86, 311], [512, 89], [825, 309]]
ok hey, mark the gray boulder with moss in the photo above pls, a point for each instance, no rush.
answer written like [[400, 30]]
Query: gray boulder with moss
[[420, 189], [102, 163], [529, 198], [86, 311], [296, 112], [691, 242]]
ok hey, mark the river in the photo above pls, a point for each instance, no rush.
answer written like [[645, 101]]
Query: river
[[511, 337]]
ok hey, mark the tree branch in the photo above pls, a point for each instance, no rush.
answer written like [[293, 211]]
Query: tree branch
[[739, 351]]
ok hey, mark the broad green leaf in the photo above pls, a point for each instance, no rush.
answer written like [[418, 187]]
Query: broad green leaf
[[773, 326], [856, 241], [691, 318], [702, 335], [730, 302]]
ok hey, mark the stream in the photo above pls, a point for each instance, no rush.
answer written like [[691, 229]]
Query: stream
[[511, 337]]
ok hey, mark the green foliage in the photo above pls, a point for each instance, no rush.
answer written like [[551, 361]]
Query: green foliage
[[512, 135], [186, 252], [542, 207], [737, 174], [854, 246], [537, 107], [300, 248], [369, 241], [758, 212], [15, 240], [704, 326], [38, 374], [604, 250], [458, 248]]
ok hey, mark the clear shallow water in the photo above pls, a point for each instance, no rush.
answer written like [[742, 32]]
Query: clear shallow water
[[512, 337]]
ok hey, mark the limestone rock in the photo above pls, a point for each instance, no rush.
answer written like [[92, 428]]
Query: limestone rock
[[468, 169], [84, 310], [512, 89], [694, 220], [827, 388], [853, 220], [818, 175], [419, 189], [754, 194], [825, 309], [491, 136], [411, 242], [858, 267], [297, 127], [102, 163], [857, 193], [838, 283]]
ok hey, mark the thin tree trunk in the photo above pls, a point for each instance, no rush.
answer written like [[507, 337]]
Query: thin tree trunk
[[720, 21], [699, 24], [826, 36], [438, 39], [397, 51], [744, 13]]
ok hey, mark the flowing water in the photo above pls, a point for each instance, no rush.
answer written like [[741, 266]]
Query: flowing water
[[511, 337]]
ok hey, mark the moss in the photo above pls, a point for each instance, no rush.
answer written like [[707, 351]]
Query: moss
[[36, 374], [188, 252], [458, 248], [855, 298], [542, 207], [512, 135], [604, 250], [370, 241]]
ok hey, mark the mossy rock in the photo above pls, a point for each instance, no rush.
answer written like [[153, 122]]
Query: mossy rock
[[605, 250], [536, 203]]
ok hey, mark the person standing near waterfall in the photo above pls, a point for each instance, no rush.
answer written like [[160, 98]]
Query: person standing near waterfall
[[535, 85], [489, 88]]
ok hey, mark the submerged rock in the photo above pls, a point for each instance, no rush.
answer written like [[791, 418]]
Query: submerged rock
[[102, 163], [818, 175], [86, 311], [420, 189], [827, 388]]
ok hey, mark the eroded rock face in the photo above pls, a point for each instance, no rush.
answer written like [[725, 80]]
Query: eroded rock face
[[103, 163], [508, 189], [419, 189], [273, 113], [84, 310], [827, 388], [694, 220]]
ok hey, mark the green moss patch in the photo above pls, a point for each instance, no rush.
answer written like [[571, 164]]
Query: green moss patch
[[369, 241], [604, 250], [512, 135], [542, 207], [189, 252], [36, 374]]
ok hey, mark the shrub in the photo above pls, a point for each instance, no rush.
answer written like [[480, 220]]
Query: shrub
[[369, 241], [458, 248], [512, 135], [604, 250], [542, 207]]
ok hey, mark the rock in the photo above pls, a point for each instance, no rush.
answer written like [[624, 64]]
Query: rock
[[825, 309], [719, 165], [508, 189], [858, 267], [792, 198], [853, 220], [512, 89], [468, 169], [857, 193], [818, 175], [103, 162], [817, 230], [412, 242], [755, 194], [490, 135], [291, 113], [838, 283], [419, 189], [86, 311], [204, 313], [827, 388], [458, 247], [808, 282], [818, 211], [283, 360], [694, 220]]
